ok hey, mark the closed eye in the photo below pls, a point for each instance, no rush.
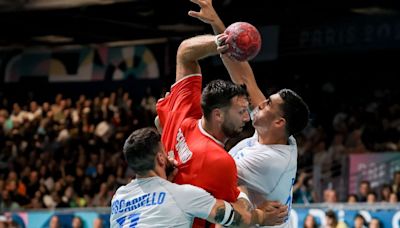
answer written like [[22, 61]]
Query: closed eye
[[241, 112]]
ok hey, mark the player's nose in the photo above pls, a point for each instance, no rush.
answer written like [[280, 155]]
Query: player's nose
[[246, 117]]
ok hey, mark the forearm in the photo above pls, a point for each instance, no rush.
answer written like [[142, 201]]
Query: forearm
[[242, 73], [243, 213], [257, 217], [192, 50], [196, 48], [218, 26]]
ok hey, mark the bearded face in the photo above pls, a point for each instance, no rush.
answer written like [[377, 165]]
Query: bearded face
[[235, 117], [169, 168]]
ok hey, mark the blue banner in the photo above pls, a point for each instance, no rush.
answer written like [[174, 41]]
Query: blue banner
[[388, 215]]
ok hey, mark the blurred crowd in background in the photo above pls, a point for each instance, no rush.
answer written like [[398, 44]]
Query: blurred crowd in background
[[66, 153]]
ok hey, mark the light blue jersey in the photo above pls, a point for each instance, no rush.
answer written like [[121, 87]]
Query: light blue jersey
[[268, 171], [155, 202]]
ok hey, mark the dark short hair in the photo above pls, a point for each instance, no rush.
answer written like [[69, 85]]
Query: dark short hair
[[362, 217], [295, 111], [141, 148], [330, 214], [218, 94]]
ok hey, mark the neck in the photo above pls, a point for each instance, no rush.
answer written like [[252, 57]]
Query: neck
[[213, 129], [271, 137], [158, 171]]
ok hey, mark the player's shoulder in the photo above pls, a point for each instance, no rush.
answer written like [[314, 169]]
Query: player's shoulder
[[189, 122], [179, 190], [218, 157], [122, 190]]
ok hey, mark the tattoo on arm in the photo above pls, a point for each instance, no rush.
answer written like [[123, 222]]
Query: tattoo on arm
[[237, 220], [246, 204], [219, 215], [237, 217]]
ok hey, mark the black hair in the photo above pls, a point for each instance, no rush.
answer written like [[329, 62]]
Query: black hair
[[218, 94], [295, 111], [141, 148]]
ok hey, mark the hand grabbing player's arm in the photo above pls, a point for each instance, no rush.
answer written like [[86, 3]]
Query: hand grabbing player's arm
[[239, 214], [274, 214]]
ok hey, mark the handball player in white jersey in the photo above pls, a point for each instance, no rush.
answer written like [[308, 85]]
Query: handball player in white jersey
[[267, 162], [151, 200]]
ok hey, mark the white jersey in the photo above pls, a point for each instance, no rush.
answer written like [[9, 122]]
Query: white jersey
[[268, 171], [155, 202]]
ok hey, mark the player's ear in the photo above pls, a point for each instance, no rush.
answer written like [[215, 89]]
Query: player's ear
[[280, 122], [161, 158], [218, 114]]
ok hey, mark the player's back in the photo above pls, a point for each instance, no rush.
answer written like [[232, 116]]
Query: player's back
[[155, 202]]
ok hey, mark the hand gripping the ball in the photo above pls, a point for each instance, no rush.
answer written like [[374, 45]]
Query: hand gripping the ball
[[243, 41]]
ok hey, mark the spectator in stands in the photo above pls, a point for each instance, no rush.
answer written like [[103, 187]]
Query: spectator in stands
[[396, 183], [303, 189], [352, 198], [77, 222], [359, 221], [103, 197], [386, 190], [68, 199], [54, 222], [98, 223], [331, 219], [330, 196], [375, 223], [6, 201], [371, 197], [18, 115], [309, 222], [393, 198], [363, 190]]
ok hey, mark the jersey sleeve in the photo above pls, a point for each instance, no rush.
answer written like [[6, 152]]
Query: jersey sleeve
[[253, 171], [194, 201], [183, 102]]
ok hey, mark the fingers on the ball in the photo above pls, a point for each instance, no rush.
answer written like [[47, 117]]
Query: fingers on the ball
[[221, 39], [223, 49]]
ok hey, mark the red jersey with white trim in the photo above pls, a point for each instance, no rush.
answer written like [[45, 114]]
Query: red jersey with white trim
[[202, 159]]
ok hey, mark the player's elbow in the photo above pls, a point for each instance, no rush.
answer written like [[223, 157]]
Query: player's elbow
[[184, 49]]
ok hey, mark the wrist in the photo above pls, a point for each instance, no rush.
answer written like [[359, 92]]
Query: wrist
[[218, 26], [244, 196], [257, 217]]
